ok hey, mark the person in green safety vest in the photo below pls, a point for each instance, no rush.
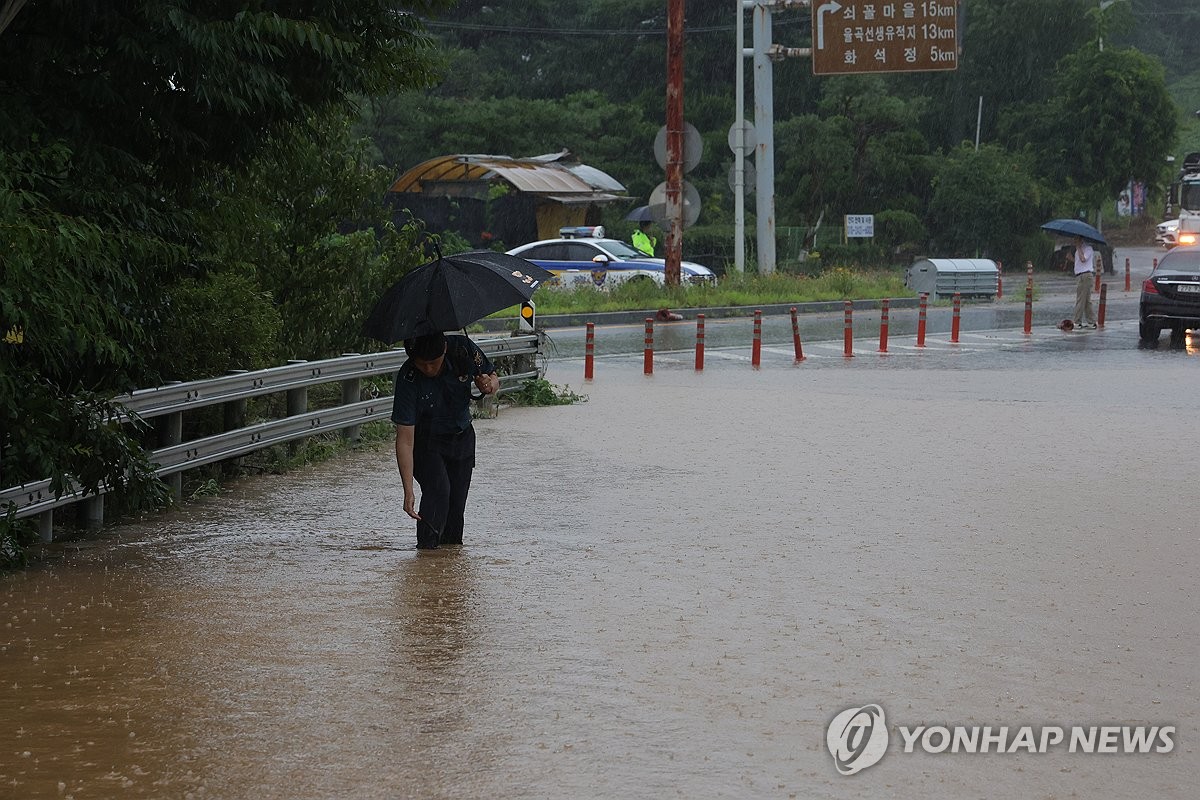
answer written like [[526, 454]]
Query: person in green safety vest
[[642, 239]]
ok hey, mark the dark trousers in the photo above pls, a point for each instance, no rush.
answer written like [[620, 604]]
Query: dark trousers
[[442, 465]]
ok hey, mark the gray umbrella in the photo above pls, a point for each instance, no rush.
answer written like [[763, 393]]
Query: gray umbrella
[[640, 214]]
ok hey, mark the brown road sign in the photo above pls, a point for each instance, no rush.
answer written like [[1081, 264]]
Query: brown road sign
[[884, 36]]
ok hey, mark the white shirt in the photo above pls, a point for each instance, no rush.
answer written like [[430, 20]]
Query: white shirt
[[1085, 259]]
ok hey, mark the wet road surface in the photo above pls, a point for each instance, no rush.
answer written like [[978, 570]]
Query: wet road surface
[[667, 591]]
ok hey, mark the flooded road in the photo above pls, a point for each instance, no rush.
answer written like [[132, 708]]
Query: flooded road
[[667, 591]]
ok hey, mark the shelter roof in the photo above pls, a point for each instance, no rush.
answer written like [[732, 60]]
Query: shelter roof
[[555, 176]]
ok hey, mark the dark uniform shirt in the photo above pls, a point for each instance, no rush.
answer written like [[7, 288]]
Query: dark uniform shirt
[[441, 405]]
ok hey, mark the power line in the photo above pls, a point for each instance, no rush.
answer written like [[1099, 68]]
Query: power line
[[472, 26]]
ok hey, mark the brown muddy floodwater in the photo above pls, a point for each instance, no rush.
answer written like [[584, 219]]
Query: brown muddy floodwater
[[667, 591]]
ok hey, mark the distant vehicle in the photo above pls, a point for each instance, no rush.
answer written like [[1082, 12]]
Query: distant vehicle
[[1185, 190], [584, 258], [1171, 295], [1167, 233]]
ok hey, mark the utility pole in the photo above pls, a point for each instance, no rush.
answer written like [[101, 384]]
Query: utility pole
[[674, 192]]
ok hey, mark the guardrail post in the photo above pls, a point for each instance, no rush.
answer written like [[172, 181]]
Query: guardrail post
[[171, 433], [45, 523], [351, 393], [233, 415], [527, 362], [297, 403], [92, 511]]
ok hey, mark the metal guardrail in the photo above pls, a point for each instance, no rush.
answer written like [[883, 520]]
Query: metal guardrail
[[176, 457]]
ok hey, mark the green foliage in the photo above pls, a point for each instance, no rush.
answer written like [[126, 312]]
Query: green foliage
[[128, 147], [413, 127], [16, 535], [980, 199], [857, 254], [900, 231], [1122, 121], [540, 392], [69, 292], [219, 322]]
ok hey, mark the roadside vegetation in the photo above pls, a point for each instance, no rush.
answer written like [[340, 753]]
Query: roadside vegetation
[[734, 289]]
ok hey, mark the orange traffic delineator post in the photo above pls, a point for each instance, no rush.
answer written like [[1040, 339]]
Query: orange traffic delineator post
[[796, 337], [954, 322], [1154, 268], [848, 336], [648, 353], [1103, 303], [1096, 282], [921, 320], [699, 342], [756, 348], [883, 325], [1127, 277], [589, 351], [999, 280], [1029, 304]]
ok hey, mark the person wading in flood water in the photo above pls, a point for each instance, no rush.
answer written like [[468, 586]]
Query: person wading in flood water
[[435, 443]]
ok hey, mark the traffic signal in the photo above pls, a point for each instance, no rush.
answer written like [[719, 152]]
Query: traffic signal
[[528, 316]]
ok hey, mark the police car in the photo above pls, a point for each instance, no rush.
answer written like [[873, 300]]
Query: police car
[[583, 257]]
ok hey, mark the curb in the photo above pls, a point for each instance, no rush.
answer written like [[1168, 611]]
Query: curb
[[1048, 285], [712, 312]]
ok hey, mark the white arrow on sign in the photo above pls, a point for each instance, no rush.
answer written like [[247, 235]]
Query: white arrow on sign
[[828, 8]]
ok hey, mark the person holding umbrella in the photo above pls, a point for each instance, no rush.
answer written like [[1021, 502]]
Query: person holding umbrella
[[642, 240], [435, 442], [1085, 264], [1085, 268]]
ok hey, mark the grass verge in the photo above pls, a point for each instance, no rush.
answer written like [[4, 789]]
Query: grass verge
[[734, 289]]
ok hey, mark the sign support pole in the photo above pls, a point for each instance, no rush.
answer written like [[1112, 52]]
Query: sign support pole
[[739, 140], [764, 154]]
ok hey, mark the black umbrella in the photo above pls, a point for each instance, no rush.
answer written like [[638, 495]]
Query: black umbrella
[[640, 214], [1074, 227], [451, 293]]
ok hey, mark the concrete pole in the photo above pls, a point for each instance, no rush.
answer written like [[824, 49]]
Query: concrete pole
[[739, 143], [764, 125]]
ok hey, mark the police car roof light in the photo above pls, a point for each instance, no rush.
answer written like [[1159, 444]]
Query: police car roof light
[[582, 232]]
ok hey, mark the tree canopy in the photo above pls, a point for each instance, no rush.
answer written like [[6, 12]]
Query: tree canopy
[[138, 144]]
